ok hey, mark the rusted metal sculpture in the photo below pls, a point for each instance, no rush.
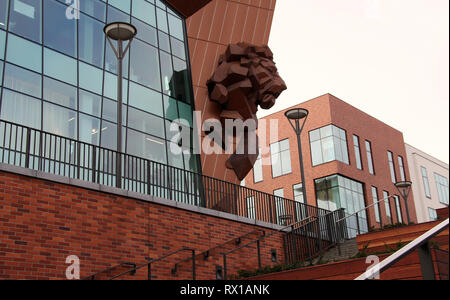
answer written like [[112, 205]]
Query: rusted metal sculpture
[[245, 79]]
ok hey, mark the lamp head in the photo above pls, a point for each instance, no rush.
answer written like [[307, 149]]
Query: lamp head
[[296, 114], [404, 187], [120, 31]]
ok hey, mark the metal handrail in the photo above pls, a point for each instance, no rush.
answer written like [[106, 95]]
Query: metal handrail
[[92, 277], [207, 252], [43, 151], [273, 233], [365, 208], [334, 237], [258, 241], [416, 244], [149, 263]]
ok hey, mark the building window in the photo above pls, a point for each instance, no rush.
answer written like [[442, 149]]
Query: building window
[[376, 207], [298, 193], [280, 206], [392, 166], [328, 144], [281, 158], [357, 152], [258, 169], [370, 157], [398, 209], [3, 14], [25, 19], [387, 206], [59, 31], [251, 211], [300, 210], [401, 166], [59, 76], [442, 188], [335, 192], [432, 213], [426, 182]]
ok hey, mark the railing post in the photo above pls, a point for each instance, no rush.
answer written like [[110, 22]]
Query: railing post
[[357, 224], [193, 265], [28, 149], [271, 197], [258, 246], [308, 240], [224, 267], [149, 189], [426, 262], [78, 159], [319, 234], [149, 271], [329, 227], [94, 164]]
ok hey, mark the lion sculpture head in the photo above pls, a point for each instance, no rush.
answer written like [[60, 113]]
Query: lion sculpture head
[[245, 80]]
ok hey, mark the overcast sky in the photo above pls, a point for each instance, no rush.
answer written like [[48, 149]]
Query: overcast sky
[[389, 58]]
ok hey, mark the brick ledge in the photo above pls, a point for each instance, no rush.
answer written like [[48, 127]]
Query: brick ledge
[[133, 195]]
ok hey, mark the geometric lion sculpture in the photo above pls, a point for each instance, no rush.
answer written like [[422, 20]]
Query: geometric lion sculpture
[[245, 79]]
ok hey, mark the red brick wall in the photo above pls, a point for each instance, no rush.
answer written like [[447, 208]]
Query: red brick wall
[[42, 222], [326, 110]]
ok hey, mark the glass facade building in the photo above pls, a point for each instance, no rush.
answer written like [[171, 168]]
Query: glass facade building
[[59, 74], [328, 144], [335, 192]]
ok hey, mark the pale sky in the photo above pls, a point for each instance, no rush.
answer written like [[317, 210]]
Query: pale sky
[[389, 58]]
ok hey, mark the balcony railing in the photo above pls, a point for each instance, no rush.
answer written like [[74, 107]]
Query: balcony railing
[[42, 151]]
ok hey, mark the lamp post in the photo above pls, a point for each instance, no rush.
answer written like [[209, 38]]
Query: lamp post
[[295, 116], [404, 188], [120, 32]]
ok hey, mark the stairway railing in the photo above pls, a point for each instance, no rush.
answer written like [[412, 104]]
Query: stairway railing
[[96, 275], [210, 251], [332, 233], [357, 214], [421, 244], [314, 237], [149, 264]]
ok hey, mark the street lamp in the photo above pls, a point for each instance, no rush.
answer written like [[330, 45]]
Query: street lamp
[[404, 188], [295, 116], [120, 32]]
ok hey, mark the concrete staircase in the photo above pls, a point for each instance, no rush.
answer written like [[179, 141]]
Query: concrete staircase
[[347, 250]]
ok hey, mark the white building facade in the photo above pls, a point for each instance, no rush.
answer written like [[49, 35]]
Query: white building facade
[[430, 183]]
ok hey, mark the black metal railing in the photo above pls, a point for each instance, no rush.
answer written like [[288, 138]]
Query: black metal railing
[[211, 252], [43, 151], [152, 261], [305, 239], [309, 240], [109, 270]]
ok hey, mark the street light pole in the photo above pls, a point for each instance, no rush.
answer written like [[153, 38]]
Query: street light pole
[[295, 116], [119, 32], [404, 188]]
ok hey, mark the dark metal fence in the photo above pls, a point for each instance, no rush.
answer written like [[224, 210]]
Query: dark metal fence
[[310, 239], [38, 150]]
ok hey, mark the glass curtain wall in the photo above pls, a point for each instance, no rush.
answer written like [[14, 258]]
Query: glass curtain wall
[[328, 144], [59, 74], [335, 192]]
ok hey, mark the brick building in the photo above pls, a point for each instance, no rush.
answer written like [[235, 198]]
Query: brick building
[[58, 123], [350, 159]]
